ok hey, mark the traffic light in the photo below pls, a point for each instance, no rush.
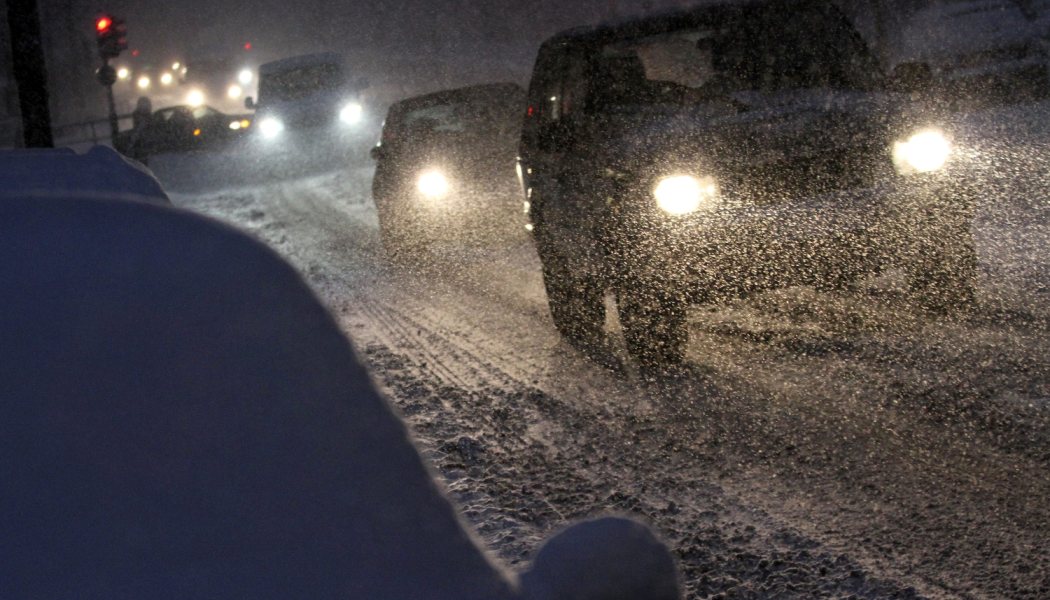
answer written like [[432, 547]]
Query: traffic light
[[111, 34]]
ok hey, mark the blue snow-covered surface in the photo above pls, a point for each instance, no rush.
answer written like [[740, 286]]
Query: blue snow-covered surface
[[605, 558], [183, 419], [98, 173]]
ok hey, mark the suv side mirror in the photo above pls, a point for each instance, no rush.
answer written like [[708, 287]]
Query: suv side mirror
[[249, 103], [377, 152]]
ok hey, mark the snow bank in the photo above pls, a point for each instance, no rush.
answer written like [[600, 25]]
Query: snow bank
[[604, 559], [183, 419], [98, 173]]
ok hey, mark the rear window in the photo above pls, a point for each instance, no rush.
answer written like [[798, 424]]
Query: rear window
[[756, 50], [459, 115]]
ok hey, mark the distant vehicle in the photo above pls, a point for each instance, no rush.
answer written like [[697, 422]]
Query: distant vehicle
[[186, 128], [445, 165], [223, 82], [311, 96], [972, 50], [1038, 11], [714, 152]]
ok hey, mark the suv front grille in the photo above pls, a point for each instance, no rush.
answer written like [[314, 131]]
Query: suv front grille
[[805, 177]]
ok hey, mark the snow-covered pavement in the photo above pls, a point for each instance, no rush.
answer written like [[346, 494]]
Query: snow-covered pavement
[[821, 445]]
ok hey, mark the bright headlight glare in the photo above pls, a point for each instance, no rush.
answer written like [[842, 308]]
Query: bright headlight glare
[[167, 79], [351, 113], [683, 194], [234, 91], [924, 152], [195, 98], [245, 76], [270, 127], [433, 184]]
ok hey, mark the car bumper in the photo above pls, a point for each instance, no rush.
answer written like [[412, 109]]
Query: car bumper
[[464, 207], [738, 250]]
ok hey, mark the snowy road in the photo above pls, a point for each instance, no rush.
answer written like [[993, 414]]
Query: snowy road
[[829, 445]]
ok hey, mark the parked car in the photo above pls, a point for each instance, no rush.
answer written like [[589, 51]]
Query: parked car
[[1038, 11], [972, 51], [445, 165], [712, 152], [184, 129]]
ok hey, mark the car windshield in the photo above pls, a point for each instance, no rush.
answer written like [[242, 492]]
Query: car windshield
[[299, 83], [763, 51]]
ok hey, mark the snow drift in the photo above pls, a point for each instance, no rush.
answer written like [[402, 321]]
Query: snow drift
[[183, 418]]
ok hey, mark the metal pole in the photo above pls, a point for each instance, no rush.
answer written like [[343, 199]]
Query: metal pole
[[114, 125], [30, 71]]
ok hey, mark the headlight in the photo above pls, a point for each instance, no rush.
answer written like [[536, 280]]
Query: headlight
[[245, 76], [167, 79], [683, 194], [351, 113], [234, 91], [433, 184], [271, 127], [143, 82], [924, 152], [195, 98], [241, 124]]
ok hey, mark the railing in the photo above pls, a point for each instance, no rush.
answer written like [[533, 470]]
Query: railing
[[88, 132]]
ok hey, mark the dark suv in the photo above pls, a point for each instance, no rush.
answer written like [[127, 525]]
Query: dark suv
[[445, 166], [718, 151]]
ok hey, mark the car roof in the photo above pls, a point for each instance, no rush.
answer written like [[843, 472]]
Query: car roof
[[187, 107], [487, 91], [657, 21]]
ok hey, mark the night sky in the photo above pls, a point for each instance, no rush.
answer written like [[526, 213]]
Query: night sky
[[450, 31]]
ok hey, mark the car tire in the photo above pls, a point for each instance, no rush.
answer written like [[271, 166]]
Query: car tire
[[942, 272], [654, 325], [577, 304], [944, 278]]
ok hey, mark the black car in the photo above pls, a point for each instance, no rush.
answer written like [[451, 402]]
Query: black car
[[713, 152], [445, 166], [184, 129]]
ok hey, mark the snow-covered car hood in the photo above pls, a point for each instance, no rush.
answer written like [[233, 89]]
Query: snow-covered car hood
[[763, 129]]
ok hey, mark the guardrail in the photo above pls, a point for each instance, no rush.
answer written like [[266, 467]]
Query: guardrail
[[88, 132]]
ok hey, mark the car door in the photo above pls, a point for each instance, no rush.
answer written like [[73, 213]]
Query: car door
[[557, 155]]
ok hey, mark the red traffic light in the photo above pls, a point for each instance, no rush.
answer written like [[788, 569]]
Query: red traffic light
[[111, 36]]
